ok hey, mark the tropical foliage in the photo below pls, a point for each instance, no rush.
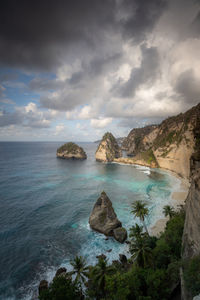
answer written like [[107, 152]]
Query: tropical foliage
[[140, 210], [151, 273], [168, 211]]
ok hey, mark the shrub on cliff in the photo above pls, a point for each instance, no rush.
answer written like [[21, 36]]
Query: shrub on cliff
[[192, 275], [61, 288]]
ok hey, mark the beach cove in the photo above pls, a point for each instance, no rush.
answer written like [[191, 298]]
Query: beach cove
[[51, 201]]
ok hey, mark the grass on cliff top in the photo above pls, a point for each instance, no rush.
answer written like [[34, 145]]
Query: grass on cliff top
[[170, 137], [149, 157], [108, 135], [69, 147]]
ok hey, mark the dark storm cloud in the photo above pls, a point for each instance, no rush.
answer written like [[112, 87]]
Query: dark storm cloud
[[146, 73], [195, 26], [188, 86], [142, 16], [39, 34]]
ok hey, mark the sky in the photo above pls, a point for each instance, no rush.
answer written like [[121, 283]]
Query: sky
[[72, 70]]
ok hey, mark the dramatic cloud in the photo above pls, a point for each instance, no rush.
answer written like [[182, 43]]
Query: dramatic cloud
[[188, 86], [85, 66], [145, 74], [27, 116]]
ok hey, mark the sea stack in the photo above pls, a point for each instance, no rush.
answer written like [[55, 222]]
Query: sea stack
[[108, 149], [104, 219], [71, 151]]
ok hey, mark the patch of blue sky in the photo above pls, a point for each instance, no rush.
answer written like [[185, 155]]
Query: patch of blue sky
[[16, 84]]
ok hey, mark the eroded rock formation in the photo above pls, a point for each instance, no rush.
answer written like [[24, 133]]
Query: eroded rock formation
[[104, 219], [108, 149], [71, 151]]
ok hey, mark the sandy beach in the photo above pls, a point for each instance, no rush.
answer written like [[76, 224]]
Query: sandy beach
[[179, 196]]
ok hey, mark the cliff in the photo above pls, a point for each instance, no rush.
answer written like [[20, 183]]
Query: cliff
[[139, 139], [191, 235], [108, 149], [119, 140], [71, 151], [171, 142]]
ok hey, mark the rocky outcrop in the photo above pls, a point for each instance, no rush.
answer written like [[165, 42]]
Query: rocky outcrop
[[108, 149], [43, 286], [104, 219], [120, 234], [191, 235], [146, 158], [139, 139], [119, 140], [171, 142], [71, 151]]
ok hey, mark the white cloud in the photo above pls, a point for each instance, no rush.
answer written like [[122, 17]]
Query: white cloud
[[60, 128], [100, 123]]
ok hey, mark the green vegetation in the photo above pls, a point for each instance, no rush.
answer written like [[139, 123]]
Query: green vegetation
[[69, 147], [137, 141], [149, 157], [168, 138], [61, 288], [151, 273], [191, 271], [108, 135], [168, 211], [80, 270], [140, 210]]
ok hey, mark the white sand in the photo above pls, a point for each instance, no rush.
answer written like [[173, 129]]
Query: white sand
[[178, 198]]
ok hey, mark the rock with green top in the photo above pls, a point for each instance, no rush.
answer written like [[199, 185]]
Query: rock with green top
[[108, 149], [71, 151], [104, 219]]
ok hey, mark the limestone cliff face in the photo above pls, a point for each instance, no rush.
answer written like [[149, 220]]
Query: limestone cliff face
[[71, 151], [191, 235], [108, 149], [172, 142], [146, 158], [139, 139], [104, 219]]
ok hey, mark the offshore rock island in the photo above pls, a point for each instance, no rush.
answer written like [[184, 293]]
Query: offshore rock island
[[104, 219], [108, 149], [71, 151]]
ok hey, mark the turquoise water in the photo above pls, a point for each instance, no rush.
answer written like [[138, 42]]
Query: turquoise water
[[45, 205]]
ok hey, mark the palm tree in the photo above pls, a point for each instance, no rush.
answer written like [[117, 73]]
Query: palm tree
[[141, 252], [168, 211], [99, 273], [80, 270], [141, 211], [136, 232]]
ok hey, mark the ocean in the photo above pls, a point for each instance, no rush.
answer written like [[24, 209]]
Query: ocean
[[45, 204]]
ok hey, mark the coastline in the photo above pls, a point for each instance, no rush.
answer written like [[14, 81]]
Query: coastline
[[178, 196]]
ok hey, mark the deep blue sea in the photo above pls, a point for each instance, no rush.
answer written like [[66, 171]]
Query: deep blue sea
[[45, 203]]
